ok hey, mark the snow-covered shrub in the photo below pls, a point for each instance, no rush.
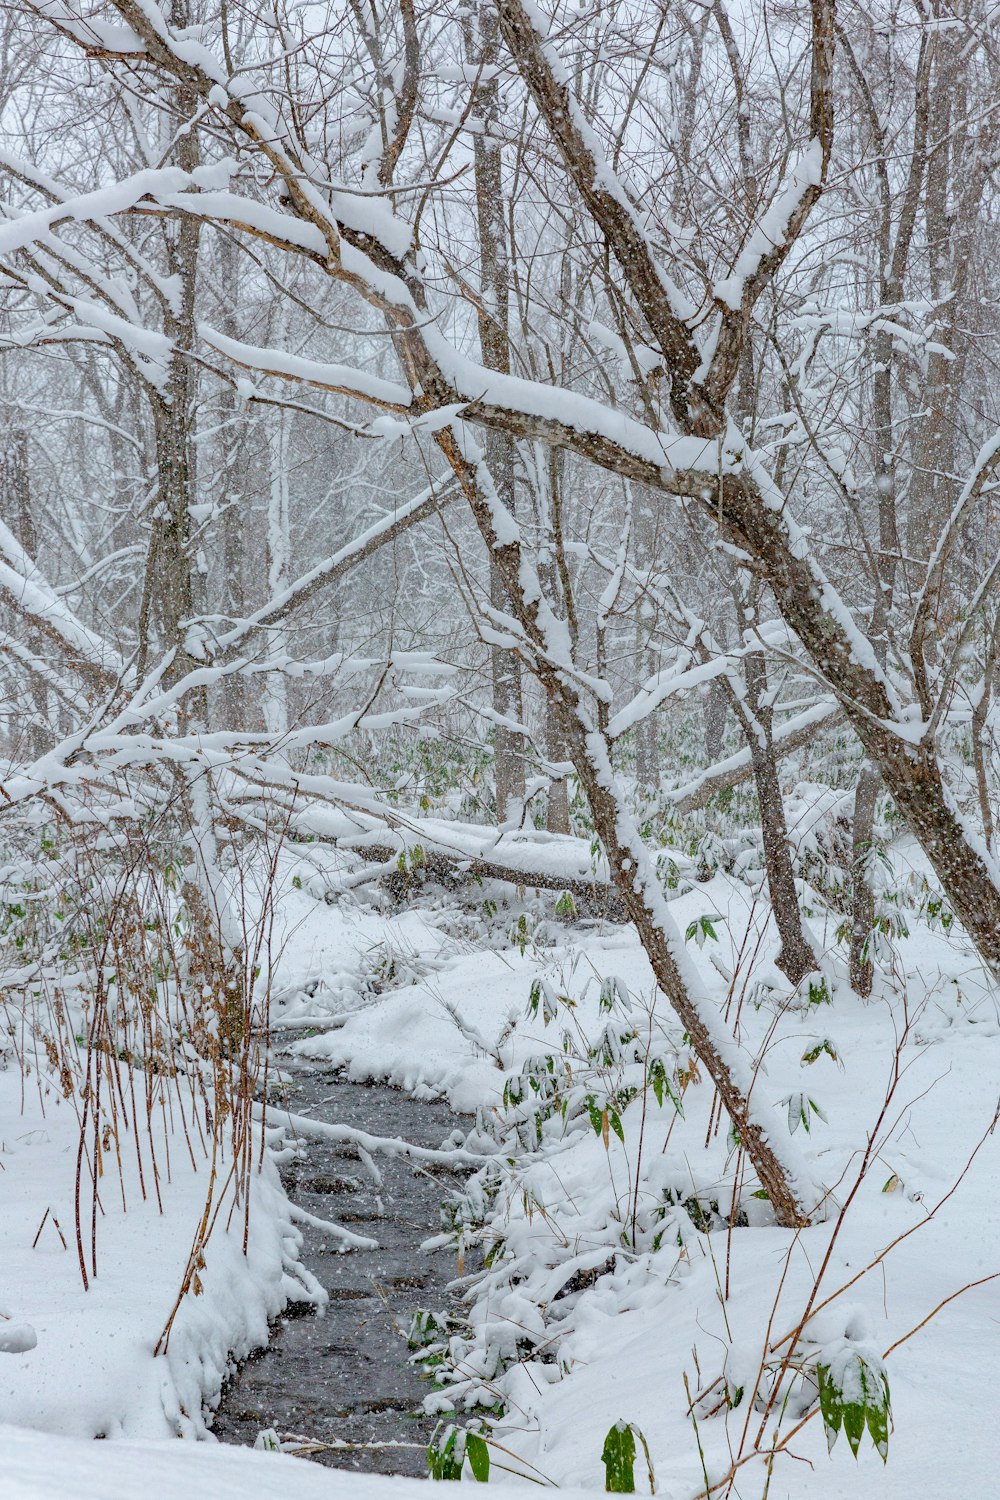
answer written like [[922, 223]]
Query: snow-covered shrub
[[570, 1207]]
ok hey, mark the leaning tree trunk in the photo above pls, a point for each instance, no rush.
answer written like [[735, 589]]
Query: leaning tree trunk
[[628, 862]]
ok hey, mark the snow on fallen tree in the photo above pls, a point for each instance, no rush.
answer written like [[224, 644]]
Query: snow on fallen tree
[[418, 848]]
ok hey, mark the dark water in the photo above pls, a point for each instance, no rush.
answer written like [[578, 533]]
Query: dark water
[[343, 1373]]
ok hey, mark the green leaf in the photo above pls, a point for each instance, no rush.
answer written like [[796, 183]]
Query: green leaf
[[619, 1460], [446, 1453], [703, 927], [566, 906], [829, 1406], [878, 1427], [819, 990], [854, 1394], [825, 1046], [854, 1424], [478, 1455], [663, 1086]]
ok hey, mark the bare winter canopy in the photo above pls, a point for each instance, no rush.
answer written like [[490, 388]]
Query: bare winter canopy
[[611, 385]]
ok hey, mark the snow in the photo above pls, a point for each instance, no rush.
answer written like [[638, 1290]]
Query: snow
[[456, 1025], [39, 1467], [93, 1371], [359, 547], [260, 218], [114, 198], [411, 1039], [295, 367], [523, 851], [667, 683], [625, 1345], [21, 579], [636, 1272], [818, 714], [772, 227], [93, 33]]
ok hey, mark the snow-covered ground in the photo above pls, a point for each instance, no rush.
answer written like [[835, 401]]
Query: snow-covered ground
[[617, 1280], [92, 1372], [711, 1306], [35, 1467]]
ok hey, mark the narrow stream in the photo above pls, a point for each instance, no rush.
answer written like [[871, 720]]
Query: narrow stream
[[341, 1375]]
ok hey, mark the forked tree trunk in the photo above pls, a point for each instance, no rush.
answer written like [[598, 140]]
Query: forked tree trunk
[[745, 506], [737, 500]]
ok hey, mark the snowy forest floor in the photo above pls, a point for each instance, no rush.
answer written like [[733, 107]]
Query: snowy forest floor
[[630, 1279]]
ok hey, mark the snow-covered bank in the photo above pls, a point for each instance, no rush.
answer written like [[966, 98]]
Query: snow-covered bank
[[35, 1467], [93, 1371]]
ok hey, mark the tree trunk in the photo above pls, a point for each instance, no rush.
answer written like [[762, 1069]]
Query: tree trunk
[[796, 958], [647, 751], [862, 894], [494, 316], [628, 862], [276, 689], [716, 707], [17, 486], [230, 704], [557, 806]]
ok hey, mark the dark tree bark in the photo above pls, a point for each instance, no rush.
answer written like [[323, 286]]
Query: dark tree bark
[[862, 895], [796, 958]]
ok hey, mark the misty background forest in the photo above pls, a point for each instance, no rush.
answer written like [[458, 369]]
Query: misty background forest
[[499, 747]]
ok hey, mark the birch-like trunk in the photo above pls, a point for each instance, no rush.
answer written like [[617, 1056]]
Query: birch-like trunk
[[276, 689], [494, 340]]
